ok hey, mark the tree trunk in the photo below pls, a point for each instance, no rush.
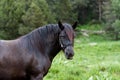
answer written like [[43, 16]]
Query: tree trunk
[[100, 10], [116, 36]]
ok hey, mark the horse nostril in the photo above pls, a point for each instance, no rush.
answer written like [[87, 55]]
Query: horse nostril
[[71, 55], [69, 52]]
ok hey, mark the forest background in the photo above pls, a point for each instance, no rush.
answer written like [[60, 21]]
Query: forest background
[[18, 17]]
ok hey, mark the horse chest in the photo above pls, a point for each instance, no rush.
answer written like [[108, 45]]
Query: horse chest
[[40, 64]]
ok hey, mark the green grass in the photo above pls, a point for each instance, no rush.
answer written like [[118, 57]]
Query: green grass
[[92, 61], [90, 27], [90, 37]]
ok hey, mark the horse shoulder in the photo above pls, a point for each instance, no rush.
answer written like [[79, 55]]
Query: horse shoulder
[[40, 65]]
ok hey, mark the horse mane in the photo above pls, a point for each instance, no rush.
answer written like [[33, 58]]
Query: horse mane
[[43, 37], [43, 31], [40, 36]]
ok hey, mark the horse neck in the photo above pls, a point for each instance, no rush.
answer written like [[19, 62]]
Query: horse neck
[[53, 49], [52, 41], [45, 40]]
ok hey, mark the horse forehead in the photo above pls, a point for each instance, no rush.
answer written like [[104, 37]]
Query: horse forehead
[[69, 33]]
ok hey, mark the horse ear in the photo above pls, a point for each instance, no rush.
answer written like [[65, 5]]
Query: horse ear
[[60, 25], [75, 25]]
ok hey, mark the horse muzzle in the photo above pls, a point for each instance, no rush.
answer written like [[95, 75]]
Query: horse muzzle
[[69, 53]]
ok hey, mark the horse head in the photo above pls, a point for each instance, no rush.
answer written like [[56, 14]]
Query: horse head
[[66, 39]]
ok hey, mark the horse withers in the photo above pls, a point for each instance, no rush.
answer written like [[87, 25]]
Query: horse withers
[[30, 56]]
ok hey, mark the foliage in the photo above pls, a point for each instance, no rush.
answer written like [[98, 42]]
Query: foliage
[[63, 10], [20, 17], [31, 19], [85, 10], [116, 24], [116, 7], [10, 15], [112, 17], [3, 35]]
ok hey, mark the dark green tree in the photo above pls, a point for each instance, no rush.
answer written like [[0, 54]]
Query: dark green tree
[[49, 17], [32, 18], [37, 14], [11, 12], [64, 11], [112, 18], [18, 17], [116, 13]]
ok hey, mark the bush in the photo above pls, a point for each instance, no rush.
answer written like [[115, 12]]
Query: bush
[[30, 14]]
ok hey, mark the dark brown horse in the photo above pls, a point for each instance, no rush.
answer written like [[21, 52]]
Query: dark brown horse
[[29, 57]]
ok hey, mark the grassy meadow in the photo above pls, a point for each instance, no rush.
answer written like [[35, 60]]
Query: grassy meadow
[[92, 61], [95, 59]]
